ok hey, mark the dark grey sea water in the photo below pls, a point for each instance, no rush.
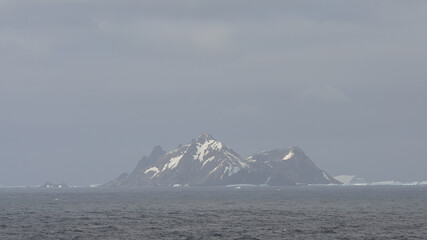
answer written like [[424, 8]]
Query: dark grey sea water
[[215, 213]]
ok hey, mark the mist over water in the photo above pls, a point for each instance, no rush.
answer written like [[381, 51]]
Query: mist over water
[[380, 212]]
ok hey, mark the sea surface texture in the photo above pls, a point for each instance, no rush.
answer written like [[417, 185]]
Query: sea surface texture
[[308, 212]]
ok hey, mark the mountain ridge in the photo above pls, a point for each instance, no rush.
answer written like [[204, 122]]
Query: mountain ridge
[[209, 162]]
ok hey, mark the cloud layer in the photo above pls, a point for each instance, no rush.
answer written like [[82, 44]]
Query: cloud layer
[[87, 87]]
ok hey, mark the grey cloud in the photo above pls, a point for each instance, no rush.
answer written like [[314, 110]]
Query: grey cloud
[[86, 84], [170, 35], [325, 93]]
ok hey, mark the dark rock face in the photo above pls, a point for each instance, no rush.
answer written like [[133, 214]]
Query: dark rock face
[[291, 164], [209, 162]]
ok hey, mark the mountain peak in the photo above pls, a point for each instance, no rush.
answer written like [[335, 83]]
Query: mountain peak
[[205, 137], [292, 151], [296, 150], [206, 144], [157, 152]]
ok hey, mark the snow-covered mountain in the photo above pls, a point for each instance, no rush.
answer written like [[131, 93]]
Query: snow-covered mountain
[[207, 161], [292, 165]]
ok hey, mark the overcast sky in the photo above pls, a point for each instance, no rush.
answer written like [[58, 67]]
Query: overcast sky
[[89, 87]]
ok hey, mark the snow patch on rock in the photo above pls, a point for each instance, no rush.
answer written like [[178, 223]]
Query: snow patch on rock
[[326, 175], [208, 160], [213, 170], [152, 169], [172, 163], [268, 180], [289, 155], [202, 150]]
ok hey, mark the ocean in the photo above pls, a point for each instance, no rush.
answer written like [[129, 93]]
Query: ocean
[[304, 212]]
